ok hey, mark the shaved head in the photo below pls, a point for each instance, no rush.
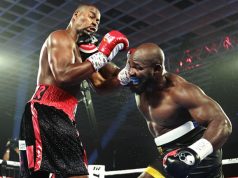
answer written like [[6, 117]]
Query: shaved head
[[83, 6], [149, 53]]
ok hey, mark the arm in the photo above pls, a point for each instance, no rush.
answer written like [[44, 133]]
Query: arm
[[6, 155], [110, 77], [62, 60], [105, 80], [206, 112]]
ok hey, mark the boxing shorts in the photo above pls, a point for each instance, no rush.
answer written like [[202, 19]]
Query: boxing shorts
[[49, 140], [184, 136]]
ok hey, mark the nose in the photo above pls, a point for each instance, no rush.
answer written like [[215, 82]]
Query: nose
[[132, 72], [95, 23]]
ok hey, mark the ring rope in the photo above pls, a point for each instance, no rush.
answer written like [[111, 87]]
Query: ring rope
[[128, 171]]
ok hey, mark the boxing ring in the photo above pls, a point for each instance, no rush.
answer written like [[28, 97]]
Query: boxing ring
[[95, 171]]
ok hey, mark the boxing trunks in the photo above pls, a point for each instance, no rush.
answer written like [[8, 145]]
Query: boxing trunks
[[184, 136], [49, 140]]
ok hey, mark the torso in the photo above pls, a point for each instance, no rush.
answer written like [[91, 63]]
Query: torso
[[160, 110], [46, 77]]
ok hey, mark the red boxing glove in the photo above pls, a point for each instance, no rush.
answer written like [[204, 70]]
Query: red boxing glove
[[111, 44], [111, 40]]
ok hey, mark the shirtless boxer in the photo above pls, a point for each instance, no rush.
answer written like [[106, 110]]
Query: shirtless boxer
[[170, 105], [50, 145]]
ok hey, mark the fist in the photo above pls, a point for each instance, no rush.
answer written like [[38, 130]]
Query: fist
[[123, 75], [179, 162]]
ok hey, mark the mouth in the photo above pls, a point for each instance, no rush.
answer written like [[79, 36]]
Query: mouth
[[90, 30]]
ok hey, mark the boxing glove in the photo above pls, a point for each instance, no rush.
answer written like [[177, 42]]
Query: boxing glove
[[86, 39], [124, 76], [111, 44], [87, 50], [179, 162]]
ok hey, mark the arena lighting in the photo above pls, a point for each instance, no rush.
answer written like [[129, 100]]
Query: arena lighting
[[5, 63], [192, 58]]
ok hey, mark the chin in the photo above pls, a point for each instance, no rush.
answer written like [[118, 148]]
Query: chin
[[138, 89]]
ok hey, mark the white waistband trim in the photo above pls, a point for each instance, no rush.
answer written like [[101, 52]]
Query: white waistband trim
[[174, 134]]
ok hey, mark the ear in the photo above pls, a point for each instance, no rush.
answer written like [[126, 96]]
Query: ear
[[158, 67], [75, 15]]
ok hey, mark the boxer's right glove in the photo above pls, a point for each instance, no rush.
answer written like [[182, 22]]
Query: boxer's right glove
[[111, 44], [124, 76], [179, 162]]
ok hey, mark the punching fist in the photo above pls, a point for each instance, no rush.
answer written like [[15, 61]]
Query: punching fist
[[111, 44], [124, 76], [179, 162]]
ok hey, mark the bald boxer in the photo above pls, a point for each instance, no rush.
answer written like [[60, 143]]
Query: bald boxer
[[171, 105], [50, 145]]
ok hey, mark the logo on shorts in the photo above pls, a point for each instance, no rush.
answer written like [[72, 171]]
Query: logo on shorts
[[40, 92]]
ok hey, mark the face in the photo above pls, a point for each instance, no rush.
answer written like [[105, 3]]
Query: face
[[142, 71], [87, 19]]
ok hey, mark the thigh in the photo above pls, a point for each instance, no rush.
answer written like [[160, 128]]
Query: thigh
[[40, 174]]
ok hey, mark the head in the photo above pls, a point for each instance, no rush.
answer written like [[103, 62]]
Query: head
[[85, 19], [147, 64]]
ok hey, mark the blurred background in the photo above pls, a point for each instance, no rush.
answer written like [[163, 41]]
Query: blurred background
[[200, 41]]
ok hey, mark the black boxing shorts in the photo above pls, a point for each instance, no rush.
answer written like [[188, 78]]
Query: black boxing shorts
[[210, 167], [49, 140]]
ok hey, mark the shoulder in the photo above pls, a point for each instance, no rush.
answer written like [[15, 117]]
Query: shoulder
[[58, 34], [175, 79], [185, 91], [59, 37]]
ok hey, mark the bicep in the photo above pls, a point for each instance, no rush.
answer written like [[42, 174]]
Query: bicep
[[201, 107], [205, 111]]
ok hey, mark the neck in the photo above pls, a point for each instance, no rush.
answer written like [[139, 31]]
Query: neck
[[72, 32], [156, 84], [162, 82]]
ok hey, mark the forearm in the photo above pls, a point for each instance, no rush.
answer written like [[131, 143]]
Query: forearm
[[218, 131], [106, 85], [75, 73]]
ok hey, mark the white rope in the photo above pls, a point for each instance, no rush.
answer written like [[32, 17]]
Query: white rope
[[230, 161], [11, 163], [128, 171]]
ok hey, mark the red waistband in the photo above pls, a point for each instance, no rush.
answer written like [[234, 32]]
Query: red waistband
[[53, 96]]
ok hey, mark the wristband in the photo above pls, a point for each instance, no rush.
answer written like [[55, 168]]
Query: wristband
[[98, 60], [202, 147]]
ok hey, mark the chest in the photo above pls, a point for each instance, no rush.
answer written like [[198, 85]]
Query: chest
[[77, 56], [157, 107]]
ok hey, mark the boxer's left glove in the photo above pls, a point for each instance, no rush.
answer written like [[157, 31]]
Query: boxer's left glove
[[87, 45], [111, 44], [124, 76], [179, 162]]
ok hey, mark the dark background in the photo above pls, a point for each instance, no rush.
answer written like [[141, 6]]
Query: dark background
[[184, 29]]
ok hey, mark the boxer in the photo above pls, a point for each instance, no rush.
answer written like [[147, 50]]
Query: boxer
[[50, 145], [171, 105]]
